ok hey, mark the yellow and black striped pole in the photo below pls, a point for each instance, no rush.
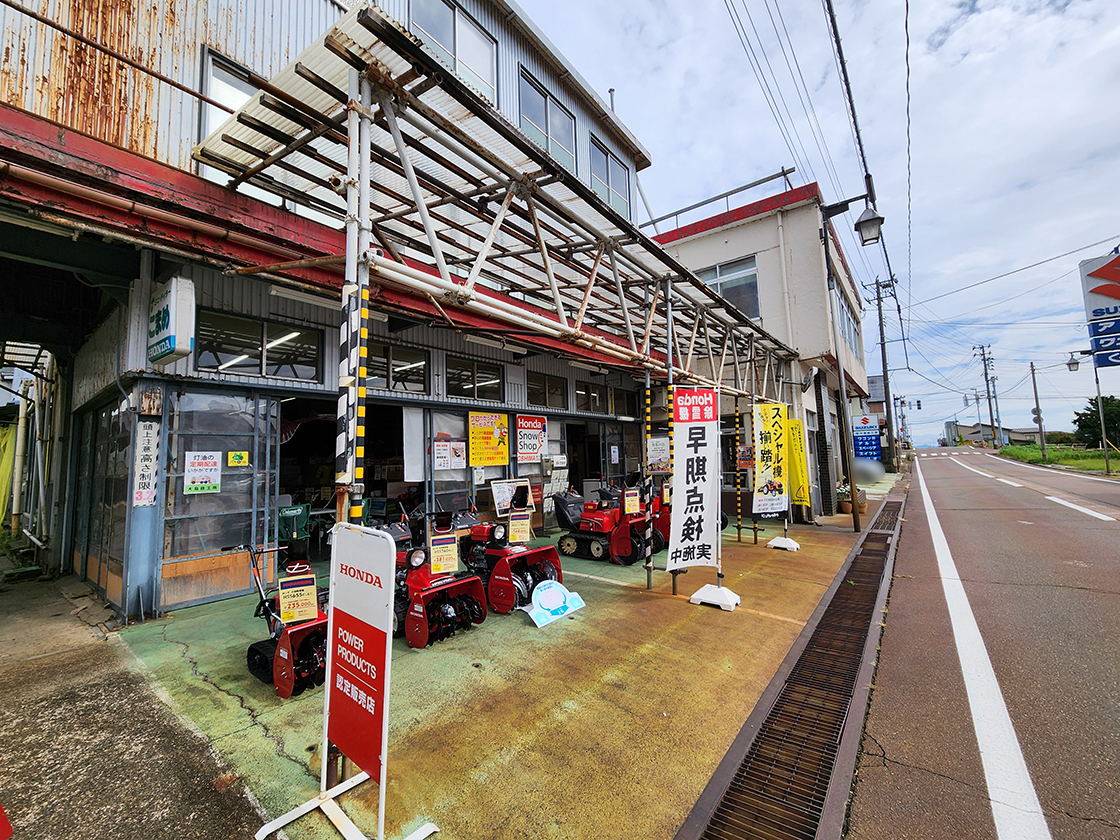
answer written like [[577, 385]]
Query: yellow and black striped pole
[[738, 472], [647, 491]]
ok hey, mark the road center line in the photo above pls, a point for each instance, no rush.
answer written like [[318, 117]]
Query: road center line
[[1012, 483], [967, 467], [1082, 509], [1052, 472], [1015, 807]]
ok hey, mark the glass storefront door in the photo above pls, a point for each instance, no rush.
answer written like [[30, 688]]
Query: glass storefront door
[[101, 509]]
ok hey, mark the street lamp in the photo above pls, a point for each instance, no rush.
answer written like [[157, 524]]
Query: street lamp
[[869, 226], [1073, 365]]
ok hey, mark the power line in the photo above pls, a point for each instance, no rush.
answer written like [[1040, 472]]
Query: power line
[[1017, 270]]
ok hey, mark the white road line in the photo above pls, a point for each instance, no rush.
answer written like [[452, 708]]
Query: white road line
[[1015, 806], [1012, 483], [1082, 509], [1052, 472], [967, 467]]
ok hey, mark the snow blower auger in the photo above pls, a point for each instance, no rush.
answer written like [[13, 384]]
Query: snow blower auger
[[436, 605], [294, 656]]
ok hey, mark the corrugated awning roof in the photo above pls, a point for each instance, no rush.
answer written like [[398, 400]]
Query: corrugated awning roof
[[292, 139]]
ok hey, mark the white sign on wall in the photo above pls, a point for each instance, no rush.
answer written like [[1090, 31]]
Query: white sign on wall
[[203, 472], [144, 474], [171, 321]]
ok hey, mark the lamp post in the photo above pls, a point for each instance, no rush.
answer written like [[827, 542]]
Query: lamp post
[[868, 226], [1073, 364]]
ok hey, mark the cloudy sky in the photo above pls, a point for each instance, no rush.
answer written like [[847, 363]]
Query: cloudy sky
[[1014, 149]]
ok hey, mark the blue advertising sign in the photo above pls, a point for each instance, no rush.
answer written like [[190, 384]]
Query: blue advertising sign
[[865, 437], [1106, 342], [1109, 359], [1111, 327]]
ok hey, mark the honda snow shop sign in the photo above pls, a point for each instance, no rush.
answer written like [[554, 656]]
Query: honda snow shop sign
[[532, 438]]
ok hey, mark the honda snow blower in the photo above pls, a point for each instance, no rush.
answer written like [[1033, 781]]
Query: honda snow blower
[[599, 530], [430, 607], [294, 656], [509, 573]]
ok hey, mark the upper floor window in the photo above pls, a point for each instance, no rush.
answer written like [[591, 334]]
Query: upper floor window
[[624, 403], [737, 281], [460, 43], [610, 179], [547, 391], [250, 347], [590, 397], [477, 380], [547, 124], [397, 368], [850, 328]]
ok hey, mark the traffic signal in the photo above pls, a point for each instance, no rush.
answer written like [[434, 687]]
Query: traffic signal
[[919, 405]]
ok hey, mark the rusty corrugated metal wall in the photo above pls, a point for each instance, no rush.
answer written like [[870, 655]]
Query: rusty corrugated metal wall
[[54, 76]]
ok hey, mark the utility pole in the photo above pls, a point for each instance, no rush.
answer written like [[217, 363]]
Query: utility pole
[[1038, 415], [901, 406], [995, 399], [892, 459], [987, 389], [979, 420]]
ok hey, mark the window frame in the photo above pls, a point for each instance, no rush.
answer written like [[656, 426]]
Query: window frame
[[458, 14], [386, 357], [474, 363], [604, 397], [548, 381], [717, 281], [598, 145], [262, 348], [550, 102]]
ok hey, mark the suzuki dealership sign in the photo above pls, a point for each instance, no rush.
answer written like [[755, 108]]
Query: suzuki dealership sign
[[1100, 286], [865, 434], [360, 640], [694, 521]]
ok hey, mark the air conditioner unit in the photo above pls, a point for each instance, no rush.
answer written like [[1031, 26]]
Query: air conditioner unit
[[659, 398]]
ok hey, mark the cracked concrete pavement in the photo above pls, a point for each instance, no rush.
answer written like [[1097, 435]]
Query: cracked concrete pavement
[[90, 750]]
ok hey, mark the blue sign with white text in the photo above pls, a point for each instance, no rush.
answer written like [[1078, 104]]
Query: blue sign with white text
[[1109, 359], [1111, 327]]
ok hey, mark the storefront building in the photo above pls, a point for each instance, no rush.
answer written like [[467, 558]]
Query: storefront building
[[552, 307]]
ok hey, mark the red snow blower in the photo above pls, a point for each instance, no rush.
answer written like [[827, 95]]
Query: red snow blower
[[430, 607], [294, 656]]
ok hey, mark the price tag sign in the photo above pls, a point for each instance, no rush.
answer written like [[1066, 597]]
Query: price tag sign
[[519, 530], [444, 552], [298, 598], [632, 501]]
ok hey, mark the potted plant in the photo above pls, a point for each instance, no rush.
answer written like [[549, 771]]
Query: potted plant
[[844, 497]]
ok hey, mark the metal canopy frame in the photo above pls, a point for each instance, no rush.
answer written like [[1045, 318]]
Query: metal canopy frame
[[466, 213]]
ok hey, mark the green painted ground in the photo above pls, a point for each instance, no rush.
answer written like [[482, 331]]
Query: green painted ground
[[510, 731]]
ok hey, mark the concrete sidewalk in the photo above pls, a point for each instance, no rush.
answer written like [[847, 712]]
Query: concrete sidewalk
[[608, 723]]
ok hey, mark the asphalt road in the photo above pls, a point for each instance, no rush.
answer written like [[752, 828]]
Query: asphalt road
[[1042, 579]]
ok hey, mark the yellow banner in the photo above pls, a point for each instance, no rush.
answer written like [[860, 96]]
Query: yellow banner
[[798, 470], [489, 438]]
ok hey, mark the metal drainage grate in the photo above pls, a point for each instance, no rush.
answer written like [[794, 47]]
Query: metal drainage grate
[[779, 790]]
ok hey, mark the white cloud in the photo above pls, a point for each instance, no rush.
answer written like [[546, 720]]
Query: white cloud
[[1015, 141]]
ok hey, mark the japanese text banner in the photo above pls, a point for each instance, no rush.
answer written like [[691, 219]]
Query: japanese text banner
[[771, 476], [694, 521]]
